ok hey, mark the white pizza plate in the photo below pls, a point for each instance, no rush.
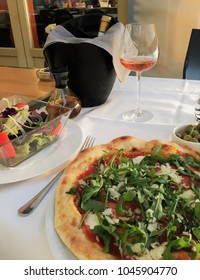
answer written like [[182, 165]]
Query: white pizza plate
[[58, 250], [48, 159]]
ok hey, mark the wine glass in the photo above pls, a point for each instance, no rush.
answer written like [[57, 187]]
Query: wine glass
[[138, 53]]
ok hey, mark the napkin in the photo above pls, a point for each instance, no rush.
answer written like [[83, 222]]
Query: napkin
[[110, 42]]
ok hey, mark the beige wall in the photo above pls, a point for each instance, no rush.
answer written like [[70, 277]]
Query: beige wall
[[174, 20], [122, 8]]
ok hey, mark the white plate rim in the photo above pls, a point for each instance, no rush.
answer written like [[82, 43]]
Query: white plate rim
[[71, 130]]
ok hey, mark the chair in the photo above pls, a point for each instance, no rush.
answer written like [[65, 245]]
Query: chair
[[191, 69]]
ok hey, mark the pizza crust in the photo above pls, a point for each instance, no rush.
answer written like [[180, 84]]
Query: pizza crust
[[67, 217]]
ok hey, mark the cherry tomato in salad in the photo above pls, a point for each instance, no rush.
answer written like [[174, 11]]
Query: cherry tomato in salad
[[57, 129], [20, 104], [7, 150], [3, 138]]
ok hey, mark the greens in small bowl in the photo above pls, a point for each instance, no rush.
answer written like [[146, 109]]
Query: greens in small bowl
[[26, 127]]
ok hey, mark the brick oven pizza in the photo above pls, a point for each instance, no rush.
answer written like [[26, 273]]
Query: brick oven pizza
[[131, 199]]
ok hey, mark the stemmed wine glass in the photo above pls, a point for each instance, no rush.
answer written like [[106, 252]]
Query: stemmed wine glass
[[138, 53]]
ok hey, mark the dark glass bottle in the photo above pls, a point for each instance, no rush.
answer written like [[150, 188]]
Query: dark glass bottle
[[62, 98]]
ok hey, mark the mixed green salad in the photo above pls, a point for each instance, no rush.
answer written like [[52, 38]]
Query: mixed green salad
[[24, 130], [17, 119]]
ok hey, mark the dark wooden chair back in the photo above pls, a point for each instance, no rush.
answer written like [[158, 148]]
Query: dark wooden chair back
[[191, 69]]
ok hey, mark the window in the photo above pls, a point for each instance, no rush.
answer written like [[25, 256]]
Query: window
[[6, 36]]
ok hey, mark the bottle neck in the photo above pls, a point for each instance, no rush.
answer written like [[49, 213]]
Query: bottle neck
[[61, 77]]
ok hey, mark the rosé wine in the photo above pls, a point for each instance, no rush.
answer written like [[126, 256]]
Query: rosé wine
[[138, 63]]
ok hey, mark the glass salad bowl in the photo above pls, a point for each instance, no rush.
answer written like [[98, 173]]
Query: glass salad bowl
[[27, 126]]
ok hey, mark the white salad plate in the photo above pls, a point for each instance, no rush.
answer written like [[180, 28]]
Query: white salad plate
[[57, 154]]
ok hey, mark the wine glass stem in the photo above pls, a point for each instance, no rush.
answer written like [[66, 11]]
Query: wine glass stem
[[138, 110]]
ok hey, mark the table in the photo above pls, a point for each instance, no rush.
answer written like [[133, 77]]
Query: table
[[22, 81], [171, 101]]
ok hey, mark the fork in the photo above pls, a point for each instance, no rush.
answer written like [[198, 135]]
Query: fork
[[31, 205]]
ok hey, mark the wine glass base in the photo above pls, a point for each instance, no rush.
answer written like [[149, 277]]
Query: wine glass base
[[134, 116]]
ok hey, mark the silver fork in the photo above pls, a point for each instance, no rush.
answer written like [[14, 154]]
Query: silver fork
[[30, 206]]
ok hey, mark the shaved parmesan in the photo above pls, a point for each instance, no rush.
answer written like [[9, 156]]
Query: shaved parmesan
[[154, 254], [167, 169], [92, 220], [138, 159], [188, 194]]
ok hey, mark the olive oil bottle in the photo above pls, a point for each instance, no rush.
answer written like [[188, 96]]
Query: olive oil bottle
[[62, 99]]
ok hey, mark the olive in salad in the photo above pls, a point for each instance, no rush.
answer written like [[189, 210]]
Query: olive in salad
[[191, 133]]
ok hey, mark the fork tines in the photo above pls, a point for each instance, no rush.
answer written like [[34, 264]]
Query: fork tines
[[89, 141]]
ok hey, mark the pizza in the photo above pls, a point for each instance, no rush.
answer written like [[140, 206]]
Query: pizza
[[131, 199]]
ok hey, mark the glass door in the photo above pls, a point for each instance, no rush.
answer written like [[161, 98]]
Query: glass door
[[24, 24], [11, 40], [6, 34], [20, 36]]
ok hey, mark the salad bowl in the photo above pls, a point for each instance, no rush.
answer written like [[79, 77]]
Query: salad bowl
[[27, 126]]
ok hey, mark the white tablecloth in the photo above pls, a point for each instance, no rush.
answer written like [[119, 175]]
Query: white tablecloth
[[172, 103]]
